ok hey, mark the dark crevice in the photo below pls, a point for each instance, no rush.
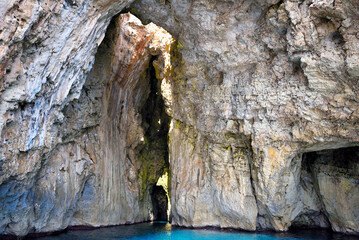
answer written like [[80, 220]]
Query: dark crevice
[[160, 203], [343, 159], [153, 152], [337, 38], [154, 117]]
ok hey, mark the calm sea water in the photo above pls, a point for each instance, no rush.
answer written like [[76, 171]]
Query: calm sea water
[[164, 231]]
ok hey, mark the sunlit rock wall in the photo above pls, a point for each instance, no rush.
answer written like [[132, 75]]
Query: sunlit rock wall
[[110, 120], [46, 49], [71, 153], [255, 85], [250, 86]]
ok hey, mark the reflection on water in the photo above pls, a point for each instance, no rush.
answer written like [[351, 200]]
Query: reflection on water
[[164, 231]]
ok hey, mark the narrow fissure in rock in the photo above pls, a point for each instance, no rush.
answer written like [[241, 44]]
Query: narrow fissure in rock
[[128, 145], [153, 152]]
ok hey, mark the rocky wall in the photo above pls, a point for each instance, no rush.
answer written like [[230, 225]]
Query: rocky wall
[[109, 151], [332, 176], [249, 87], [255, 85], [46, 50]]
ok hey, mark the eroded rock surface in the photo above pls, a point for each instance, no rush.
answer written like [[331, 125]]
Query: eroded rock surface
[[46, 49], [258, 84], [250, 86], [335, 174], [101, 168]]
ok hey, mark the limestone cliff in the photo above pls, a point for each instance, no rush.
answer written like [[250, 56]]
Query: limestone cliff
[[89, 160], [254, 111], [259, 84]]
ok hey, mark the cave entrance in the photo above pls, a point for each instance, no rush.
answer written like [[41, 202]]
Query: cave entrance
[[138, 125], [154, 150], [160, 199], [330, 183]]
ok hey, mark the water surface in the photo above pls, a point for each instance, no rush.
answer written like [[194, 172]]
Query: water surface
[[164, 231]]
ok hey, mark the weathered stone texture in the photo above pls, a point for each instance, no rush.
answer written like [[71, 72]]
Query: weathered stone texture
[[46, 49], [250, 86], [211, 183], [280, 74], [83, 167]]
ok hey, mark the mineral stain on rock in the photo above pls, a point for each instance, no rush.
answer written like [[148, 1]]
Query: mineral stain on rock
[[252, 112]]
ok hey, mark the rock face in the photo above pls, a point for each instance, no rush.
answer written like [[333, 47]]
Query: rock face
[[335, 174], [260, 101], [259, 83], [46, 50], [102, 165], [115, 128]]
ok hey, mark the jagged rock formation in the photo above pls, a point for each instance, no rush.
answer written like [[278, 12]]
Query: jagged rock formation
[[259, 94], [105, 157], [46, 49], [260, 83]]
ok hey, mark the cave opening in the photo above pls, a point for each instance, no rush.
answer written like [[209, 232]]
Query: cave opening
[[131, 68], [124, 91], [154, 150], [160, 199], [330, 189]]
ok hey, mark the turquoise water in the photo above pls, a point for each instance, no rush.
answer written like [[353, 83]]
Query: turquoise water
[[164, 231]]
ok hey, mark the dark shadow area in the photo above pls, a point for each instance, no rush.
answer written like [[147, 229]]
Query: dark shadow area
[[153, 153], [345, 159], [160, 203], [154, 116], [330, 190]]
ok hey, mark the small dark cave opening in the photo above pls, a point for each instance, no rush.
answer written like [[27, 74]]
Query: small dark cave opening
[[154, 153], [330, 178], [343, 158], [159, 203]]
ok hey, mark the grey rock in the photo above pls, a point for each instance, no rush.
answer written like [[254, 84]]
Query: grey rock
[[250, 86], [273, 73], [94, 172]]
